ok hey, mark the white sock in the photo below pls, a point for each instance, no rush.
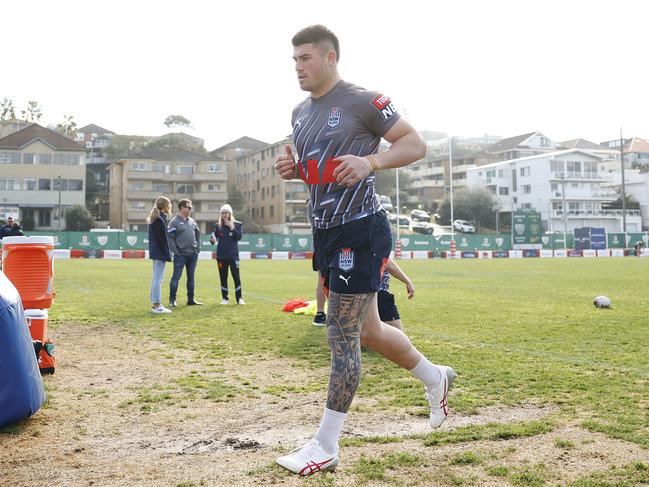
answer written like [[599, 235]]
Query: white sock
[[427, 372], [330, 428]]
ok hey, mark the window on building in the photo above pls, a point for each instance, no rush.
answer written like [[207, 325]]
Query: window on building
[[185, 170], [161, 168], [138, 166], [527, 188], [63, 184], [501, 173], [75, 184], [503, 190], [162, 188], [271, 208], [554, 186], [574, 185], [214, 187], [28, 158], [10, 184], [557, 167], [44, 217], [212, 206], [10, 157], [44, 159], [262, 211], [185, 188], [525, 171], [272, 191], [215, 168], [526, 205], [138, 205], [29, 184], [263, 193], [574, 168], [136, 186], [67, 159], [491, 173], [44, 184]]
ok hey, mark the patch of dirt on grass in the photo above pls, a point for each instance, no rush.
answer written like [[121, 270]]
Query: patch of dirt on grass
[[99, 428]]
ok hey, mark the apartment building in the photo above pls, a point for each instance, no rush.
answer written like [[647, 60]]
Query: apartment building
[[554, 181], [277, 205], [38, 169], [136, 182], [430, 178], [96, 139]]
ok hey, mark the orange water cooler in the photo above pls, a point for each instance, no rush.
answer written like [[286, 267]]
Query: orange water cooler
[[28, 262]]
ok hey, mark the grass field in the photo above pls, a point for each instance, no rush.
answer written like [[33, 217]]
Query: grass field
[[518, 332]]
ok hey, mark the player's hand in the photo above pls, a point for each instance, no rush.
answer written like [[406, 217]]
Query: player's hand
[[230, 224], [411, 290], [351, 170], [285, 164]]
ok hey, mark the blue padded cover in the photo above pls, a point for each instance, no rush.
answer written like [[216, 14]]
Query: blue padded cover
[[21, 385]]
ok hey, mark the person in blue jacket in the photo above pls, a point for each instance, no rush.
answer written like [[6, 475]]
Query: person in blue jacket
[[159, 251], [228, 233]]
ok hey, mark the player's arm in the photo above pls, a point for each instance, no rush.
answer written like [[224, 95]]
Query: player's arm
[[406, 147], [396, 271]]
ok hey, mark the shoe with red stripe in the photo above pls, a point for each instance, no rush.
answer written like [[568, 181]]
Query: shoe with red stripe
[[438, 396], [309, 459]]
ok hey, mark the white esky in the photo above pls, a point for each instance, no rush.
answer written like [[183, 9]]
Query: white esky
[[568, 68]]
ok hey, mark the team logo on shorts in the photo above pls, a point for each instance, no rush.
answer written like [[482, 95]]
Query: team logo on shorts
[[335, 113], [346, 260]]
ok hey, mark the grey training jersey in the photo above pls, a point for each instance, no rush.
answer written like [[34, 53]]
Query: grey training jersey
[[347, 120]]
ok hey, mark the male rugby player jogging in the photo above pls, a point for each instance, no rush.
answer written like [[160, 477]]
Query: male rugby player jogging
[[336, 132]]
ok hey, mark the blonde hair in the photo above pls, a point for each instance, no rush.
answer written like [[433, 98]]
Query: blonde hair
[[227, 207], [162, 205]]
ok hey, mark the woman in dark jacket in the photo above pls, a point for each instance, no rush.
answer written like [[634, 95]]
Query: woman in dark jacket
[[228, 233], [158, 250]]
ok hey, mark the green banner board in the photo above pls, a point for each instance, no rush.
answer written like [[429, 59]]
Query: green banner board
[[527, 227], [133, 241], [292, 243]]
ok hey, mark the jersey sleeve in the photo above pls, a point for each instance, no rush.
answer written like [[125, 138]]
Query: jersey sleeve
[[377, 112]]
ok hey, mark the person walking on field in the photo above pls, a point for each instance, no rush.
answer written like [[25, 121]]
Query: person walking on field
[[336, 131], [185, 244], [227, 232], [159, 252]]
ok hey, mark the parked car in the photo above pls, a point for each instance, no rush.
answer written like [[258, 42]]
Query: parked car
[[423, 227], [404, 221], [463, 226], [386, 202], [420, 216]]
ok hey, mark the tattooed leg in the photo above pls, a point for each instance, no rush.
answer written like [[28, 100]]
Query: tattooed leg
[[345, 318]]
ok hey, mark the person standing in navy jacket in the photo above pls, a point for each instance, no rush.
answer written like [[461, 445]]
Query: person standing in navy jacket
[[228, 233], [159, 251]]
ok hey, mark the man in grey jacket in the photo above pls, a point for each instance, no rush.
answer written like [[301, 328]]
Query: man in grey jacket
[[185, 244]]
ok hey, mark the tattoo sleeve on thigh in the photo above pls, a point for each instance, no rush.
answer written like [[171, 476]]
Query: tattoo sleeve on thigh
[[345, 318]]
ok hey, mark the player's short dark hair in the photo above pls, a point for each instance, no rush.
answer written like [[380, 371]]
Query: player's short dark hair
[[314, 34]]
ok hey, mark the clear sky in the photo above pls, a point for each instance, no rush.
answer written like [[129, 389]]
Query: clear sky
[[568, 68]]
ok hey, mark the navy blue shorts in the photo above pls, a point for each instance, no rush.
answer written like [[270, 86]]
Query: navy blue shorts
[[387, 307], [352, 257]]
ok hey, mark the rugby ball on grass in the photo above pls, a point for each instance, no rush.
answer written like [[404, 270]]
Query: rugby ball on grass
[[602, 302]]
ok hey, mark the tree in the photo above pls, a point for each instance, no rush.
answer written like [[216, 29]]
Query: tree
[[631, 202], [78, 218], [32, 113], [67, 127], [7, 109], [477, 205], [177, 121]]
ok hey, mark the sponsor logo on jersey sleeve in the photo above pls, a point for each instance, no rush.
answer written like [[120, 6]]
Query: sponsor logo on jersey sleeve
[[385, 106]]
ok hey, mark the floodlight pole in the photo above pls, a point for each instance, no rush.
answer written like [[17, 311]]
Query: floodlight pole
[[563, 211], [450, 178], [623, 187]]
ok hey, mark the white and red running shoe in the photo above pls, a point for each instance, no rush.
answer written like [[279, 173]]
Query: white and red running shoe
[[438, 396], [309, 459]]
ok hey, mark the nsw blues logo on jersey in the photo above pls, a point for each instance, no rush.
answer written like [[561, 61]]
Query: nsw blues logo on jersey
[[335, 114], [346, 260], [384, 105]]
